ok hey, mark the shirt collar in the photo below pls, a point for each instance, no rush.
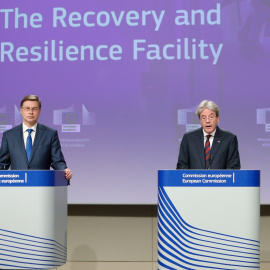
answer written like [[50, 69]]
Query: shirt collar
[[213, 133], [25, 127]]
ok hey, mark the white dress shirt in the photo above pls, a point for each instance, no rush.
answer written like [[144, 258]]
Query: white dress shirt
[[211, 139], [25, 133]]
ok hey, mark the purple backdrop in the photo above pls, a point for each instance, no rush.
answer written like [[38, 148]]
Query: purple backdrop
[[120, 81]]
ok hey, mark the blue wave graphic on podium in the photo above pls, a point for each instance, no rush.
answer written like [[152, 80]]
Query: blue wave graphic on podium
[[183, 246], [29, 252]]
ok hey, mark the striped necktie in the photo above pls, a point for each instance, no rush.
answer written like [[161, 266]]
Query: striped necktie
[[28, 147], [207, 152]]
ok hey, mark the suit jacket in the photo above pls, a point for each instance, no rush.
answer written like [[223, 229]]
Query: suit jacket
[[46, 151], [223, 154]]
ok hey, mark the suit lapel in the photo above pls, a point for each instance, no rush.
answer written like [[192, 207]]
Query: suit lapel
[[38, 136], [216, 143], [200, 147], [21, 142]]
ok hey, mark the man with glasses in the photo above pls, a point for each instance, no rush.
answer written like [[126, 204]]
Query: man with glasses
[[208, 147], [31, 145]]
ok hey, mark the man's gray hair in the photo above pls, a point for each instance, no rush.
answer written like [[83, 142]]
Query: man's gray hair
[[211, 105]]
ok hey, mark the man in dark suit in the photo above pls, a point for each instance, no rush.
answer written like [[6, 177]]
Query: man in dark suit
[[222, 152], [32, 146]]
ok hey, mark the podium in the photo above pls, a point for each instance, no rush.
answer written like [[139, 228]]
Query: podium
[[33, 223], [208, 219]]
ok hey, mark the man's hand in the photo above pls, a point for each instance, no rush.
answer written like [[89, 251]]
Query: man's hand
[[68, 174]]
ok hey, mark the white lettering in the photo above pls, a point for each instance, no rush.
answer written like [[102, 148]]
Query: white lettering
[[105, 18], [199, 16]]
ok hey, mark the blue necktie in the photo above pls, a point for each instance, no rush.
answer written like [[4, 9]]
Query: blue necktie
[[28, 147]]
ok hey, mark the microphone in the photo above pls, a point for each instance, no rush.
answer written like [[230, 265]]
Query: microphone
[[6, 161], [209, 162]]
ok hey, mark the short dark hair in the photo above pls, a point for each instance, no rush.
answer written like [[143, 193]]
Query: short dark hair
[[31, 98]]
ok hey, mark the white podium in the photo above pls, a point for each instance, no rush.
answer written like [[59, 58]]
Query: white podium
[[33, 224], [208, 219]]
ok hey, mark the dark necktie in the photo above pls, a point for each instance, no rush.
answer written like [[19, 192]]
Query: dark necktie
[[28, 147], [207, 152]]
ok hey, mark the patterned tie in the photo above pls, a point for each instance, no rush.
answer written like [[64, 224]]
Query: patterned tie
[[207, 152], [28, 147]]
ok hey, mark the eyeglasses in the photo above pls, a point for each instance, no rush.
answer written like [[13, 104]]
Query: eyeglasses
[[28, 109], [204, 118]]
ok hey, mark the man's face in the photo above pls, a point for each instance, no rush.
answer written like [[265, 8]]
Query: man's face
[[208, 120], [30, 112]]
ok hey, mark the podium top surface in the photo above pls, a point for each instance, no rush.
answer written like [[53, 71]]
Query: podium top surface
[[49, 178], [209, 178]]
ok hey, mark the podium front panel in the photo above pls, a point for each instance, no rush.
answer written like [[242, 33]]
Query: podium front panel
[[208, 219], [33, 225]]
